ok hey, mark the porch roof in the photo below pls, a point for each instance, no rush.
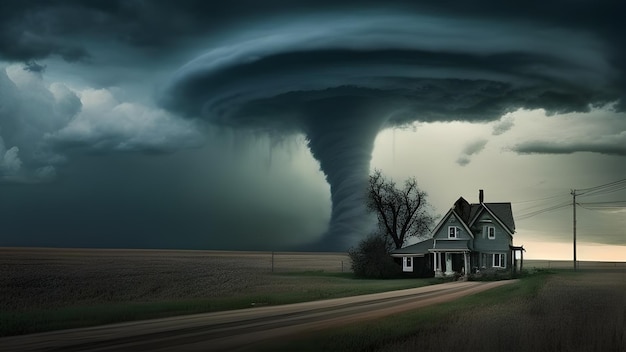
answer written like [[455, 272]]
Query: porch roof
[[451, 246], [418, 249]]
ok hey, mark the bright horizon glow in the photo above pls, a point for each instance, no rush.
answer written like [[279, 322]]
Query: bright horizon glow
[[431, 152], [564, 251]]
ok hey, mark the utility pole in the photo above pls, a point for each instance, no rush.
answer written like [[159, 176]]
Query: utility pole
[[573, 193]]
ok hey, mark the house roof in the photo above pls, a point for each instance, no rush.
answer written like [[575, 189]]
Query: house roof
[[417, 249], [430, 245], [502, 212], [451, 245], [453, 211], [467, 214], [463, 209]]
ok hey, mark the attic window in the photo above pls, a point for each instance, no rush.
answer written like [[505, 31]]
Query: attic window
[[489, 232], [452, 232], [485, 220]]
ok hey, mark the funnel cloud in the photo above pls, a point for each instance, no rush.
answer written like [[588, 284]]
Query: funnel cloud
[[340, 83], [88, 83]]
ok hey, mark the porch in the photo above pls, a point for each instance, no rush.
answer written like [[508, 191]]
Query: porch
[[447, 263], [451, 256]]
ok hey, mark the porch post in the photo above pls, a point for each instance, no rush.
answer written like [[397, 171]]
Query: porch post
[[438, 261], [449, 270], [466, 262]]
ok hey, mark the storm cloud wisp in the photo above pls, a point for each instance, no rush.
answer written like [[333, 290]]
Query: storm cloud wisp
[[340, 79]]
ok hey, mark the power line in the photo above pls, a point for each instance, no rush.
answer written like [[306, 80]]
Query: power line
[[548, 206], [597, 206], [609, 202], [601, 186], [603, 189], [542, 205], [597, 190], [603, 208], [540, 199], [542, 211]]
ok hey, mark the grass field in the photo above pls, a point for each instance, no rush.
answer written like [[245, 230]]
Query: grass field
[[562, 311], [49, 278], [44, 289], [568, 264]]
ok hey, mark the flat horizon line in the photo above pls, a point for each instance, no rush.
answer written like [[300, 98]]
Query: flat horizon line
[[233, 251]]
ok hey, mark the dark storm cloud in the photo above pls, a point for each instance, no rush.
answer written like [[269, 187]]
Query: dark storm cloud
[[173, 201], [33, 66], [340, 77], [337, 71], [35, 29], [472, 148], [40, 124], [502, 126], [614, 145]]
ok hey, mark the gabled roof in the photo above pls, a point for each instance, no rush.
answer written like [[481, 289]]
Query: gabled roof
[[502, 212], [463, 209], [445, 218], [467, 214]]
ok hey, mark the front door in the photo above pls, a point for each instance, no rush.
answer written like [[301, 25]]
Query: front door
[[458, 263]]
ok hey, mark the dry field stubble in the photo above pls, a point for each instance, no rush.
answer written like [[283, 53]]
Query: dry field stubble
[[571, 312], [34, 278], [568, 264]]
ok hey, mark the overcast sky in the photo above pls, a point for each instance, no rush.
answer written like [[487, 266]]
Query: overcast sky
[[248, 125]]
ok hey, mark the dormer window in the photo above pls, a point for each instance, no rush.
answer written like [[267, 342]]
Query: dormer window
[[452, 232]]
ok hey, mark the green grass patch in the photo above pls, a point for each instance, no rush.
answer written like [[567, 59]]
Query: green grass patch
[[317, 273], [373, 335], [288, 288]]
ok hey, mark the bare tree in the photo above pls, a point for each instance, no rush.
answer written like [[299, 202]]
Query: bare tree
[[402, 212]]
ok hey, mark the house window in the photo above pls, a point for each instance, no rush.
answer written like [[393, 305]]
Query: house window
[[452, 232], [499, 260], [489, 232], [408, 264]]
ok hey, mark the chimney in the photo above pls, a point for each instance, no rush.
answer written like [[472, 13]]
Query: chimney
[[481, 196]]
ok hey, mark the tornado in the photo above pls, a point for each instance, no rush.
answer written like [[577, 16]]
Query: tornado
[[342, 140], [340, 83]]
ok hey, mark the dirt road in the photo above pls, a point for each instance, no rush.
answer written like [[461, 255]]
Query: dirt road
[[240, 329]]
